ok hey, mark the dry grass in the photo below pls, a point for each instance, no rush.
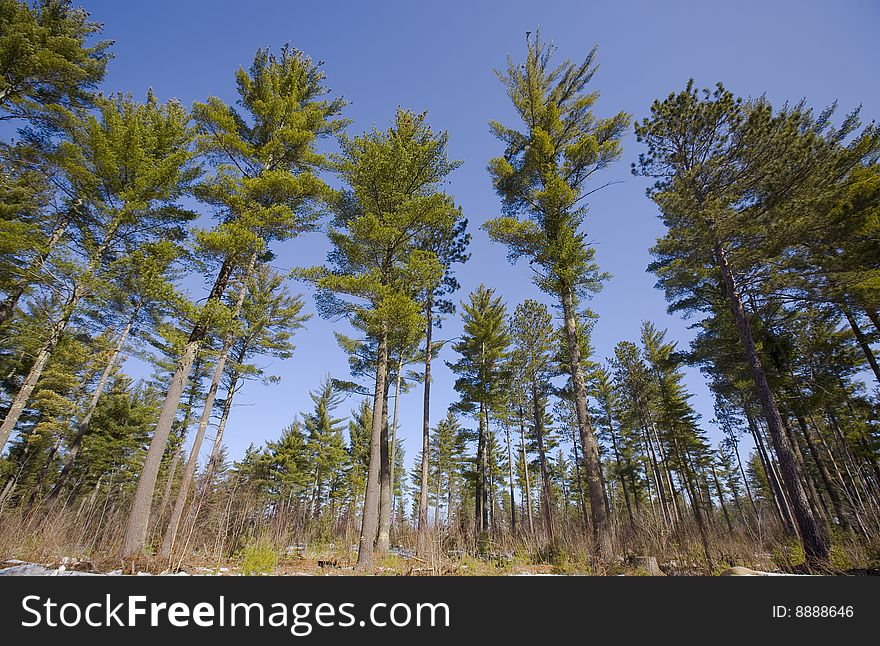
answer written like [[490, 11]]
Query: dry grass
[[89, 536]]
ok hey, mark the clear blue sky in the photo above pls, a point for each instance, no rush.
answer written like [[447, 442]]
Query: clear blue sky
[[439, 57]]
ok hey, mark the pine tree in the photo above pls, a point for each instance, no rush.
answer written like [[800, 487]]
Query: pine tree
[[677, 420], [47, 57], [269, 318], [268, 315], [377, 262], [481, 381], [265, 188], [324, 442], [543, 176], [359, 430], [142, 287], [127, 168], [711, 157], [533, 335], [449, 246]]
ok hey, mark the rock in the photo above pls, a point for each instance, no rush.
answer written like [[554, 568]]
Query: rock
[[28, 569]]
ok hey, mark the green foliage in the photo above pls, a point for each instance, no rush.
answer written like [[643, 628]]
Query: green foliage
[[266, 185], [258, 557], [788, 555], [118, 435], [738, 176], [483, 347], [378, 262], [543, 173], [445, 464], [325, 445], [47, 57]]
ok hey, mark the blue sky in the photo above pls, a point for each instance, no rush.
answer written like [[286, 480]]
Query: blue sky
[[439, 57]]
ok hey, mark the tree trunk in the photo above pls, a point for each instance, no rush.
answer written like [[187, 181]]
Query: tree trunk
[[44, 354], [657, 474], [139, 515], [83, 425], [426, 421], [816, 500], [370, 522], [488, 500], [204, 420], [602, 530], [184, 428], [692, 488], [813, 537], [16, 408], [546, 491], [510, 479], [617, 461], [481, 514], [386, 494], [830, 486], [721, 500], [169, 478], [525, 467], [779, 499], [582, 501], [863, 342], [221, 428]]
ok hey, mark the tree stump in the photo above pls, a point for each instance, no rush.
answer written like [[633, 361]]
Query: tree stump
[[648, 564]]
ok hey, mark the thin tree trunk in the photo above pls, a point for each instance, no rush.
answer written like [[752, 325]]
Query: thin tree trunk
[[814, 540], [816, 500], [602, 530], [488, 493], [742, 473], [691, 486], [44, 354], [139, 516], [184, 428], [617, 461], [7, 492], [210, 397], [830, 486], [479, 515], [582, 501], [510, 479], [781, 502], [83, 425], [437, 483], [658, 477], [221, 428], [426, 421], [863, 342], [38, 485], [546, 492], [525, 467], [721, 500]]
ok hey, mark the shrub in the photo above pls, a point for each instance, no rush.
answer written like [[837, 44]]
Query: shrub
[[258, 557]]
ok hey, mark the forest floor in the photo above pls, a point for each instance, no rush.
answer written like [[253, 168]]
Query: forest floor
[[30, 558], [300, 567], [391, 566]]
